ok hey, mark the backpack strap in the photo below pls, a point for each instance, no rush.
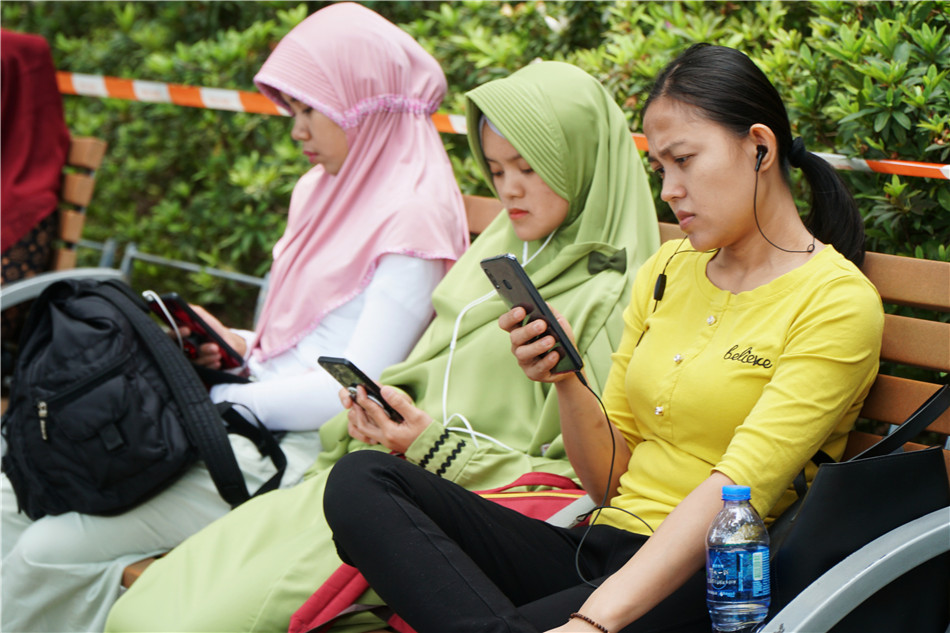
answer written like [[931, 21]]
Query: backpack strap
[[262, 437], [202, 422]]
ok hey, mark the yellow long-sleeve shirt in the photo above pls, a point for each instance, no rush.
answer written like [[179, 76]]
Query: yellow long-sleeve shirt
[[749, 384]]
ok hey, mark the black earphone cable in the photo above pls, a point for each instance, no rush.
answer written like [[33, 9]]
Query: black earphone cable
[[659, 288], [604, 505], [755, 211]]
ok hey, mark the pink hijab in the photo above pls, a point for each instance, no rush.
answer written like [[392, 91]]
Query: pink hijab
[[395, 193]]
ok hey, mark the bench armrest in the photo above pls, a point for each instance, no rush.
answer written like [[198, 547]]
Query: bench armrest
[[846, 585], [17, 292]]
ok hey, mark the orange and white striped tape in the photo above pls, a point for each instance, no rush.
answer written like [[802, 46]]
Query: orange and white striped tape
[[157, 92], [899, 167], [255, 102]]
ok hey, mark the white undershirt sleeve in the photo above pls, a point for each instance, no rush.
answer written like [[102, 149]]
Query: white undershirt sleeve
[[396, 308]]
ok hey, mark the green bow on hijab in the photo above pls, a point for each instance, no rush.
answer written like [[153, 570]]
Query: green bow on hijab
[[572, 133], [597, 262]]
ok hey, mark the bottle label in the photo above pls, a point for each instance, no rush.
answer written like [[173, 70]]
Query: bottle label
[[737, 573]]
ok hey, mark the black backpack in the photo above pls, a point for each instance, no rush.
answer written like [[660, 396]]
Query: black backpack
[[105, 411]]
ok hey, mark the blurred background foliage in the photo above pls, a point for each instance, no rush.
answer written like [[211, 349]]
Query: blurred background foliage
[[866, 79]]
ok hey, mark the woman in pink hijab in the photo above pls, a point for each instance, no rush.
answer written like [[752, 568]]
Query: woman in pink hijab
[[373, 226]]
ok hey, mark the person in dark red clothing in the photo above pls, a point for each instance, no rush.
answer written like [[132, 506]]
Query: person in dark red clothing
[[34, 142]]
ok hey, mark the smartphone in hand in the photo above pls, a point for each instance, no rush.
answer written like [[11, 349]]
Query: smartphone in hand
[[184, 316], [517, 290], [350, 376]]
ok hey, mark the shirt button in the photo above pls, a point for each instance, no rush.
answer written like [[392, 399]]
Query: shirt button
[[678, 358], [658, 411], [710, 319]]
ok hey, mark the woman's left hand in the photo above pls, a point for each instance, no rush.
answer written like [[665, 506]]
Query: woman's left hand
[[369, 422]]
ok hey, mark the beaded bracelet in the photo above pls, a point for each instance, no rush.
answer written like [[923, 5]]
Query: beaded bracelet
[[581, 616]]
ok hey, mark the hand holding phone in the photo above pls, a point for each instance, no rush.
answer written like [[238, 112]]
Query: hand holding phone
[[517, 290], [175, 311], [350, 376]]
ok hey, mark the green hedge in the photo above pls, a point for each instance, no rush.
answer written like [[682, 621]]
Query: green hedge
[[864, 79]]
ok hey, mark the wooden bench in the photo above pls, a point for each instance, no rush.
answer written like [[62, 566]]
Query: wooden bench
[[79, 180], [919, 342]]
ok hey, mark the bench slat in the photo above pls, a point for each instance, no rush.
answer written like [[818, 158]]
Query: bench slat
[[77, 189], [907, 281], [893, 399], [70, 225], [669, 231], [86, 152], [859, 441], [480, 211], [916, 342]]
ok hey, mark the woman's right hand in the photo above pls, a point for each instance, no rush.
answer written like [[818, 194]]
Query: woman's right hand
[[209, 355], [535, 357], [369, 423]]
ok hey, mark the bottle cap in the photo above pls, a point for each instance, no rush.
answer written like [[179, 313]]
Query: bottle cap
[[736, 493]]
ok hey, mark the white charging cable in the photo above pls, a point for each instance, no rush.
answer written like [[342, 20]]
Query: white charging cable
[[448, 366], [150, 296]]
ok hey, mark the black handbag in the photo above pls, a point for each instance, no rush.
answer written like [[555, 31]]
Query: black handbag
[[851, 503]]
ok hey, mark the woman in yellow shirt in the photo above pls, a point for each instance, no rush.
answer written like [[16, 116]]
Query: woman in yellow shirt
[[745, 351]]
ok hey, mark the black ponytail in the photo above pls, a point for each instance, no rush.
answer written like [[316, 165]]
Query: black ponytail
[[734, 92], [834, 217]]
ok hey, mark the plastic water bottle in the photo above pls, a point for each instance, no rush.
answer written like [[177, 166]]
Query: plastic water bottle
[[737, 564]]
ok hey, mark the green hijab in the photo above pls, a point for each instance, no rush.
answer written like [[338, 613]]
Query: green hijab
[[572, 133]]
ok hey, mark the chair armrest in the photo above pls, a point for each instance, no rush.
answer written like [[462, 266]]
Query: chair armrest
[[846, 585], [17, 292], [567, 516]]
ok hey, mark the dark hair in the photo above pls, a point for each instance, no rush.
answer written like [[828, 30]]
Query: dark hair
[[732, 91]]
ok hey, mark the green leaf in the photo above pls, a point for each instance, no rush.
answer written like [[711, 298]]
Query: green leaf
[[902, 119], [881, 120]]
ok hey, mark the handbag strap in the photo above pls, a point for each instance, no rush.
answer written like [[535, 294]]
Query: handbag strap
[[800, 482], [337, 597], [332, 598], [202, 422], [537, 478], [919, 420]]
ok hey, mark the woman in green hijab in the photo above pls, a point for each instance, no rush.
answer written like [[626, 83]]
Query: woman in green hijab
[[488, 424]]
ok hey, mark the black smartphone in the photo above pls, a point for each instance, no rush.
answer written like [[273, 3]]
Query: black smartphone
[[350, 376], [179, 310], [516, 288]]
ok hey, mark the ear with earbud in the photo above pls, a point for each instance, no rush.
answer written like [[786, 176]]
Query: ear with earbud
[[760, 152]]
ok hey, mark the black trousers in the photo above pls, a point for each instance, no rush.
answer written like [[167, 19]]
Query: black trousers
[[446, 559]]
